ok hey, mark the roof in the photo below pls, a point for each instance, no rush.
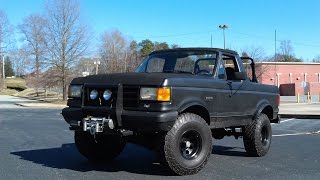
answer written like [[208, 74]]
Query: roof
[[194, 49]]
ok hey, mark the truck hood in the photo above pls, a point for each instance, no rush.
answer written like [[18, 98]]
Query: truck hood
[[155, 79]]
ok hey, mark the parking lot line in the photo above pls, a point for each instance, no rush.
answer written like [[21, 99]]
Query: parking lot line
[[288, 120], [282, 121], [296, 134]]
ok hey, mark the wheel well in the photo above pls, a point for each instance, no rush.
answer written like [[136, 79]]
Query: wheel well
[[200, 111], [268, 111]]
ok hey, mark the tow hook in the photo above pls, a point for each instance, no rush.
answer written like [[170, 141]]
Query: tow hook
[[97, 125]]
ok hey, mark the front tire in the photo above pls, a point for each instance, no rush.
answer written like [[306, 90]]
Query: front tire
[[188, 144], [257, 136], [99, 148]]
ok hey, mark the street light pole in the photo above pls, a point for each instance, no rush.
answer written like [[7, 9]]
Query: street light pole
[[223, 27]]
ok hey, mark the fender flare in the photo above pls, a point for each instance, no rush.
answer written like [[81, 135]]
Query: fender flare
[[260, 107]]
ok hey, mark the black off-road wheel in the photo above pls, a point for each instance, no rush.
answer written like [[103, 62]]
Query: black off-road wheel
[[99, 148], [188, 144], [257, 136]]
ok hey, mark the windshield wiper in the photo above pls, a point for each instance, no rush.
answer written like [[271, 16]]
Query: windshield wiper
[[177, 71]]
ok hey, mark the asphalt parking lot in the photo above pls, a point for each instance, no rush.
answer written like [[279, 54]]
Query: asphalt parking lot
[[35, 143]]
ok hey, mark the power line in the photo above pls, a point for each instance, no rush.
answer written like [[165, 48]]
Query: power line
[[258, 36], [176, 35], [269, 39]]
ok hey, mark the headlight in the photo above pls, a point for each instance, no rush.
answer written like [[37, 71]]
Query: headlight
[[155, 94], [93, 94], [107, 95], [75, 91]]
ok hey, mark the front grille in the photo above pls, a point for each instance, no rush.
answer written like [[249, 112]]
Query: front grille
[[100, 101], [130, 96]]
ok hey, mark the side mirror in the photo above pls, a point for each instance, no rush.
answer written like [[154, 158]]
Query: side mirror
[[240, 76]]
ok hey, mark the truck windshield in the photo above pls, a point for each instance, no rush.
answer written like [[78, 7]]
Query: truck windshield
[[192, 62]]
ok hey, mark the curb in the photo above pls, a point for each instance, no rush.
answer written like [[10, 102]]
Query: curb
[[40, 105], [31, 98], [300, 116]]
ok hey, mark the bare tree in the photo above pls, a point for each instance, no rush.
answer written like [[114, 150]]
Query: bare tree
[[287, 53], [134, 56], [286, 47], [86, 65], [20, 58], [316, 59], [33, 30], [255, 52], [113, 52], [258, 54], [67, 38], [5, 38]]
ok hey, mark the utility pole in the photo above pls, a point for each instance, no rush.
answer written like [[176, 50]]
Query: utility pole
[[3, 73], [223, 27], [211, 40], [275, 57]]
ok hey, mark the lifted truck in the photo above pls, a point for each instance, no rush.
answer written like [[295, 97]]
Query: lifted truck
[[175, 102]]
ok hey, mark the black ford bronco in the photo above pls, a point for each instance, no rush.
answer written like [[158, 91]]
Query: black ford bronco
[[174, 103]]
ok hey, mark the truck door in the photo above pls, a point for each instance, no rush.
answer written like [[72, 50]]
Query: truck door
[[233, 99]]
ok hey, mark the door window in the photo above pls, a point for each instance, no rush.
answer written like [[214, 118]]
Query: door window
[[228, 67]]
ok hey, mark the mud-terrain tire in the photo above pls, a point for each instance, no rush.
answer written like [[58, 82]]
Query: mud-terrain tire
[[98, 149], [188, 144], [257, 136]]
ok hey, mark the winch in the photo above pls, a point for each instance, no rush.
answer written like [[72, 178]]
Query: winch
[[97, 124]]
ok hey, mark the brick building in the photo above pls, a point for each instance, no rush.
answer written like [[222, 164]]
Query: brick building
[[292, 78]]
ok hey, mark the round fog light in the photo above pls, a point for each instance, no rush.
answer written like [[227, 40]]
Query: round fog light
[[107, 95], [93, 94]]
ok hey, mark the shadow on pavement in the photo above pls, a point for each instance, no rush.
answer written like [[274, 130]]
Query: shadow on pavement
[[133, 159], [229, 151]]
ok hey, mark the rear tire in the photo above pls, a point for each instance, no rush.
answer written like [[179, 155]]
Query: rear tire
[[257, 136], [188, 144], [101, 148]]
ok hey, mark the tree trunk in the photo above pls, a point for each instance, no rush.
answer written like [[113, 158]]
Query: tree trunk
[[64, 84], [37, 73]]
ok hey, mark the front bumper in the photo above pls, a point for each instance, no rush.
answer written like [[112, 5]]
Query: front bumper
[[142, 121]]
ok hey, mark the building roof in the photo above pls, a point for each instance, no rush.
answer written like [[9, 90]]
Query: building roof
[[288, 63]]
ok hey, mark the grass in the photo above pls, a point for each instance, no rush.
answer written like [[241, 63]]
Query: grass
[[8, 91], [17, 87], [16, 83]]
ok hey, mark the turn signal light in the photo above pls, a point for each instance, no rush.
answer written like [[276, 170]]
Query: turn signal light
[[164, 94]]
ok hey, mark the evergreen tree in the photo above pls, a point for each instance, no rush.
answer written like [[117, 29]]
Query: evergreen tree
[[147, 47], [8, 67]]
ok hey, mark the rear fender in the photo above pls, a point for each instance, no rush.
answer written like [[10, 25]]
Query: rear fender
[[264, 107]]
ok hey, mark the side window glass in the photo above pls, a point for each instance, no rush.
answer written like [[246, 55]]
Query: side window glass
[[205, 66], [230, 67], [184, 64], [155, 65]]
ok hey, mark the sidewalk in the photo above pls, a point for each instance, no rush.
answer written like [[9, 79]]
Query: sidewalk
[[302, 99], [289, 108], [41, 104]]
